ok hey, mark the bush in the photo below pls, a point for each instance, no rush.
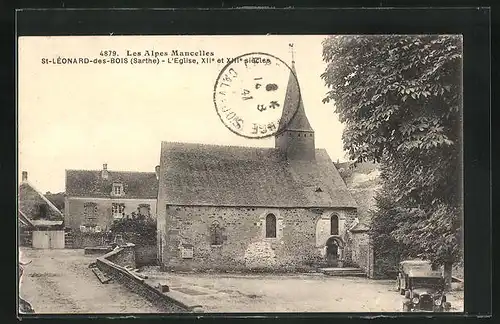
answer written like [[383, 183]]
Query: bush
[[136, 229]]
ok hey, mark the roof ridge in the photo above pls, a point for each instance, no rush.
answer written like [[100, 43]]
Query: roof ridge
[[230, 146], [86, 170], [220, 145], [24, 217]]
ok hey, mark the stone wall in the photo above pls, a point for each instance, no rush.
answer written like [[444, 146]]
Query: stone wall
[[185, 240], [113, 264], [362, 252], [123, 256], [83, 240], [146, 255], [74, 210]]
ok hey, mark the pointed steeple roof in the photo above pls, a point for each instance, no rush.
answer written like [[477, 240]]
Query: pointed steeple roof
[[299, 121]]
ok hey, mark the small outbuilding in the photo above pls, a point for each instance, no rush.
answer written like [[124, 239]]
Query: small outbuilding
[[41, 224]]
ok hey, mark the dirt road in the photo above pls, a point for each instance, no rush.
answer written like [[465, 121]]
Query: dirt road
[[59, 281], [287, 293]]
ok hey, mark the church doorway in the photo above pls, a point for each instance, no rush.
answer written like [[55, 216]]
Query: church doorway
[[333, 251]]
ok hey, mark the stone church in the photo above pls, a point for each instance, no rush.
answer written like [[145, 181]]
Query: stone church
[[228, 208]]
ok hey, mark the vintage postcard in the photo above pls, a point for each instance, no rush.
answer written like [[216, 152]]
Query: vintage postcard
[[245, 174]]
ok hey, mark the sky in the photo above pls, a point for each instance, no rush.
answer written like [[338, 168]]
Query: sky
[[79, 116]]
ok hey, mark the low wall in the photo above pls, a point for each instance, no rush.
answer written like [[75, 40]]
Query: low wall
[[113, 264], [83, 240], [100, 250], [122, 256]]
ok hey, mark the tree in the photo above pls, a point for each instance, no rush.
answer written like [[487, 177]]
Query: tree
[[400, 100], [57, 199]]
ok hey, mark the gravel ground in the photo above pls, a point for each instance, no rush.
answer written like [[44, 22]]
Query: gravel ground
[[287, 293], [59, 281]]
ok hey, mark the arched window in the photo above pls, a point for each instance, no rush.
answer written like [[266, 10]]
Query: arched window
[[334, 225], [215, 234], [270, 225]]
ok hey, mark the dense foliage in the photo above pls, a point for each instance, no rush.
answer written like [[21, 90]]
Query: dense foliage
[[56, 199], [399, 98], [136, 228]]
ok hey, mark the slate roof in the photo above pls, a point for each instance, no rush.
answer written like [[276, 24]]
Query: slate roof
[[24, 220], [89, 183], [214, 175], [29, 200]]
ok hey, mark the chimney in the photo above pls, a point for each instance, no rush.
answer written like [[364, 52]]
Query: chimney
[[157, 171], [25, 176], [104, 172]]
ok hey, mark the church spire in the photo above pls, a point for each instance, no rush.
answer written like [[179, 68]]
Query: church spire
[[299, 121], [297, 139]]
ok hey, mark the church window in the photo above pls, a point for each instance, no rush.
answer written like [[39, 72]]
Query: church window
[[215, 234], [334, 225], [270, 225]]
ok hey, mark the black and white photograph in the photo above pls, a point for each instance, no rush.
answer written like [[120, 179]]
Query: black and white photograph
[[240, 174]]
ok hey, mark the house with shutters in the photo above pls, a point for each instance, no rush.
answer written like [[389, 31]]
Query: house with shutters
[[234, 208], [95, 198]]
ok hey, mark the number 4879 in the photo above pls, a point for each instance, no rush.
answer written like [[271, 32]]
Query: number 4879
[[108, 53]]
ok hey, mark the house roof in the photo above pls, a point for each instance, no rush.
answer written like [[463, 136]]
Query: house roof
[[214, 175], [24, 220], [89, 183], [29, 197]]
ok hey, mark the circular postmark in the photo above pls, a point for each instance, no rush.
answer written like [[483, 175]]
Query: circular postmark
[[256, 95]]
